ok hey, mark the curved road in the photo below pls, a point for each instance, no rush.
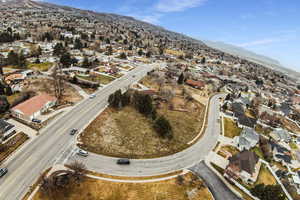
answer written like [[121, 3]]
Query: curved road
[[156, 166], [54, 145]]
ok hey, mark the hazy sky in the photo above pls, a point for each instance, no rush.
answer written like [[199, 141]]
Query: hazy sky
[[268, 27]]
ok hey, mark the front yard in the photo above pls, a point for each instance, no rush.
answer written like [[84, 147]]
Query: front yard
[[13, 144], [190, 188], [127, 133], [231, 129], [41, 66]]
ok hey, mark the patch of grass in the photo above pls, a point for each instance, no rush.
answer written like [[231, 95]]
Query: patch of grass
[[11, 99], [222, 154], [170, 189], [219, 169], [231, 129], [130, 178], [293, 145], [41, 66], [127, 133], [215, 148], [231, 149], [258, 152], [13, 144], [262, 130], [244, 195], [265, 176], [102, 79]]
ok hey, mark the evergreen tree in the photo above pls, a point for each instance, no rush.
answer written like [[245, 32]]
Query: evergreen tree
[[66, 60], [4, 105], [163, 127], [180, 79]]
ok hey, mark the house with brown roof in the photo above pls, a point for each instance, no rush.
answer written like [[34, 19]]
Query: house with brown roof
[[33, 107], [244, 166], [195, 84]]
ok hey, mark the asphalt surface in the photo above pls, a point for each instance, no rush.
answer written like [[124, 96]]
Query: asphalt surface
[[55, 145], [149, 167], [54, 140], [219, 190]]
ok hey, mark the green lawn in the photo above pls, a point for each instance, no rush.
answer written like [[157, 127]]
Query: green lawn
[[262, 130], [293, 145], [231, 128], [258, 152]]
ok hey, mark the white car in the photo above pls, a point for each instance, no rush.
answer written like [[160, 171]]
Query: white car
[[82, 153], [92, 96]]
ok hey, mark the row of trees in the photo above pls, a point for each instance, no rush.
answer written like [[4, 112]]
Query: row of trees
[[268, 192], [144, 104], [9, 36]]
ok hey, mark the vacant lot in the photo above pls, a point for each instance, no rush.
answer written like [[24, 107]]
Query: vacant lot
[[13, 144], [231, 128], [102, 79], [43, 85], [91, 189], [127, 133]]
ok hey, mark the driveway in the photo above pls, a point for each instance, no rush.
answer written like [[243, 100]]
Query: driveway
[[219, 190]]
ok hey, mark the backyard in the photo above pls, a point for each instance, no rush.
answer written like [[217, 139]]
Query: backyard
[[43, 85], [189, 188], [231, 129]]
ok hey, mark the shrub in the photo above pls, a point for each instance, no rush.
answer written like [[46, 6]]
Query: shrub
[[163, 127]]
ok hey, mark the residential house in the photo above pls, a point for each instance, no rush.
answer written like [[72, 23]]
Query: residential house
[[6, 129], [195, 84], [248, 139], [281, 135], [33, 107], [244, 165], [245, 121], [281, 154]]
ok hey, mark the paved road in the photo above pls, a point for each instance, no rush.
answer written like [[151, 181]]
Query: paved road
[[54, 140], [219, 190], [149, 167]]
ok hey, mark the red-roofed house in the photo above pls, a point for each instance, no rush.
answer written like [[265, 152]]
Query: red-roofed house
[[195, 84], [33, 107]]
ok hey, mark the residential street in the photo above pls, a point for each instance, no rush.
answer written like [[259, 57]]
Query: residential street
[[43, 152], [148, 167], [55, 145]]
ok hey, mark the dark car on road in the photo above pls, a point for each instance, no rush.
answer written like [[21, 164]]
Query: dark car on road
[[73, 131], [123, 161], [3, 171], [36, 121]]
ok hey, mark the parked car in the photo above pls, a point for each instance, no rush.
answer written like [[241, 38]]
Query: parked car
[[82, 153], [73, 131], [123, 161], [36, 120], [3, 171], [92, 96]]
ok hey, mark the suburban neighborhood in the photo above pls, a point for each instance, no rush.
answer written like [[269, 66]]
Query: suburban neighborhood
[[100, 106]]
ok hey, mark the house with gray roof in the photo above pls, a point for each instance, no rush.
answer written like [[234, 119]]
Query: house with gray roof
[[248, 139], [281, 135]]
